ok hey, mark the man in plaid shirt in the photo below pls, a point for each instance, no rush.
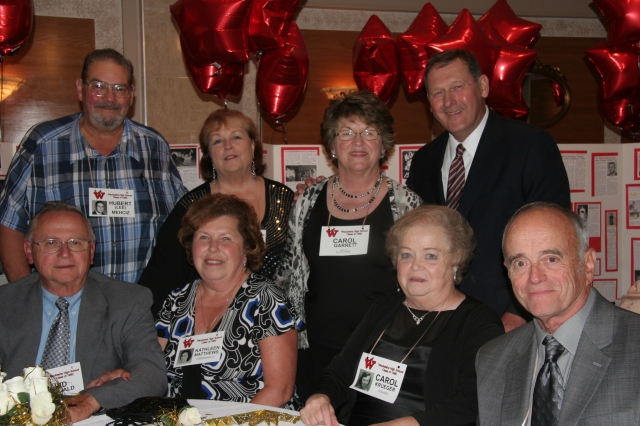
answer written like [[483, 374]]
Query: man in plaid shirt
[[95, 154]]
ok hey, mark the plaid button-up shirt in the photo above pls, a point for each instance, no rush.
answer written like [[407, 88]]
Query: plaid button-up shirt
[[54, 162]]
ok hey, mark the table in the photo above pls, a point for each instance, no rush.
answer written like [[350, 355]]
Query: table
[[207, 408]]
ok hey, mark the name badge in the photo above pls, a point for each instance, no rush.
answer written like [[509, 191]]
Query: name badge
[[109, 202], [379, 377], [69, 377], [199, 349], [264, 235], [344, 240]]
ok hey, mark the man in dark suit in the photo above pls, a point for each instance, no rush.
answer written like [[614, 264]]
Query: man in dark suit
[[577, 361], [504, 165], [65, 313]]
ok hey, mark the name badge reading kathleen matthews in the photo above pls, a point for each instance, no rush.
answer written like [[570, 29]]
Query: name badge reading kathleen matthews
[[379, 377], [199, 349], [344, 240]]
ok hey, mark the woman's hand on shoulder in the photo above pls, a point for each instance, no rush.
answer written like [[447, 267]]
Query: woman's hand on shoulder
[[308, 182], [318, 411]]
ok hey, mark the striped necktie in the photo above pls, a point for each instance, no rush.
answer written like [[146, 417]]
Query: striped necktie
[[455, 185]]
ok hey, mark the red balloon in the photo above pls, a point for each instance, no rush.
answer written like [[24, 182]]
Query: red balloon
[[623, 17], [505, 88], [412, 46], [213, 30], [515, 30], [16, 20], [618, 83], [269, 23], [465, 34], [218, 79], [282, 76], [375, 60]]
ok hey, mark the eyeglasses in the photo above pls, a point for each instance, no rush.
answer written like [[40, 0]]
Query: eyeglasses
[[349, 135], [53, 245], [100, 88]]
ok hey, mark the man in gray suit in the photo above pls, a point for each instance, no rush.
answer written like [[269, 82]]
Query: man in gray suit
[[64, 313], [591, 358]]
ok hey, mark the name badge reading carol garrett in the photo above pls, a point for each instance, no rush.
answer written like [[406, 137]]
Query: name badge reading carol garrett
[[344, 240], [379, 377], [199, 349], [70, 378], [112, 202]]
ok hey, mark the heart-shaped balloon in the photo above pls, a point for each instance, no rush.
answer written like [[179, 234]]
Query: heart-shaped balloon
[[375, 60], [282, 76], [515, 30], [16, 20], [412, 51]]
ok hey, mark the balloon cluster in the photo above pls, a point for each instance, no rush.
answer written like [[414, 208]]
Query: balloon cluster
[[218, 36], [500, 40], [616, 62], [16, 20]]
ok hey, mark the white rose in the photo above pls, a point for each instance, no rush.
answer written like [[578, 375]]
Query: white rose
[[16, 385], [32, 372], [189, 416], [42, 408], [37, 385], [6, 402]]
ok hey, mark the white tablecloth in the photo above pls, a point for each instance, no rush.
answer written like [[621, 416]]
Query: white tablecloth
[[208, 409]]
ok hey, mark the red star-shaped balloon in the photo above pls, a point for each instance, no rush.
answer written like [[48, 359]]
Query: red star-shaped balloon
[[412, 46], [269, 23], [282, 76], [505, 89], [513, 29], [16, 20], [623, 17], [465, 33], [375, 60]]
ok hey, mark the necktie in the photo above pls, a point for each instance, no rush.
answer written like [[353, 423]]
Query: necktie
[[455, 185], [56, 350], [548, 391]]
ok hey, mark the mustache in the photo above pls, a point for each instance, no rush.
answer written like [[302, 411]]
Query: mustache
[[107, 104]]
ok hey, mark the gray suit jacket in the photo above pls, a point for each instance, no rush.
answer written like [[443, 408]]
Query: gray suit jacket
[[603, 383], [115, 330]]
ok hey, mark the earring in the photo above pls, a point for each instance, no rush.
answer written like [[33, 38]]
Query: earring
[[253, 169], [245, 266], [382, 154], [214, 176], [455, 274], [333, 155]]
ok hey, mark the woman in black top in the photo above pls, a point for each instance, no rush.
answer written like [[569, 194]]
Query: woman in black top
[[432, 328]]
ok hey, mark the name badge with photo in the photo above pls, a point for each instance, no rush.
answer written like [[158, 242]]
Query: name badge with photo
[[379, 377], [109, 202], [70, 378], [199, 349], [344, 240]]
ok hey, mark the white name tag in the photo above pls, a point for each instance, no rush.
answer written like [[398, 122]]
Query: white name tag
[[112, 202], [69, 377], [264, 235], [344, 240], [379, 377], [199, 349]]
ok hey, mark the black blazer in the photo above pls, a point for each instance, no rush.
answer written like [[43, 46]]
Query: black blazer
[[515, 164]]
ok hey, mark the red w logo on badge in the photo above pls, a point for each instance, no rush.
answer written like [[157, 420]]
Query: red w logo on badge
[[187, 343], [98, 194], [369, 362], [332, 232]]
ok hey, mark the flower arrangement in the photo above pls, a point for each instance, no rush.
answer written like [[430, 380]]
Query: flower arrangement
[[186, 416], [35, 398]]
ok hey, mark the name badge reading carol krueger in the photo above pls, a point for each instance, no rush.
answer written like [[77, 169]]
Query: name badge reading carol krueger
[[199, 349], [112, 202], [344, 240], [70, 378], [379, 377]]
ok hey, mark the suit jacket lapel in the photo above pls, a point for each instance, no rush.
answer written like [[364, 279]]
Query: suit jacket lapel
[[515, 399], [435, 169], [590, 363], [92, 324], [28, 313], [486, 154]]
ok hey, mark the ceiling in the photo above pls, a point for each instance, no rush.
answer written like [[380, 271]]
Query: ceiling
[[523, 8]]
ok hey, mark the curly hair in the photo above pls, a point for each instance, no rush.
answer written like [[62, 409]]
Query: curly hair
[[364, 106], [213, 206], [455, 226], [221, 118]]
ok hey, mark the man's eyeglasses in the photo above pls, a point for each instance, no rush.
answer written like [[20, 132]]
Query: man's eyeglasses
[[100, 88], [53, 245], [349, 135]]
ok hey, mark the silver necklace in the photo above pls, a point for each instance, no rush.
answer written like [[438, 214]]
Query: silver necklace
[[415, 318], [342, 209], [346, 194]]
